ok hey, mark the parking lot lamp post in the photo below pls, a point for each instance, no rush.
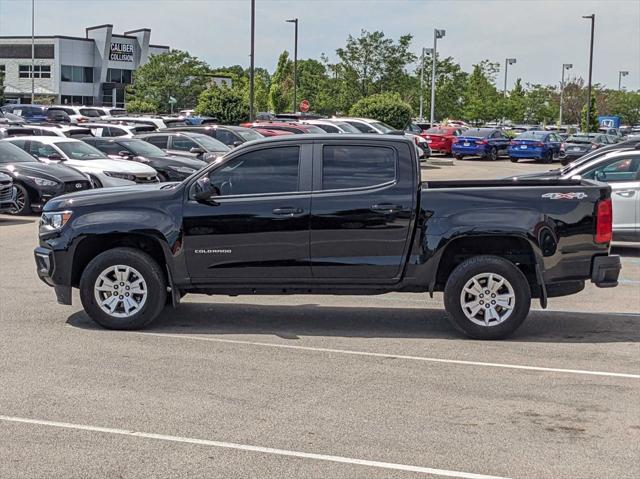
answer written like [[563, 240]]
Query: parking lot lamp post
[[252, 64], [620, 75], [507, 62], [436, 34], [295, 64], [591, 17], [33, 51], [565, 66], [425, 52]]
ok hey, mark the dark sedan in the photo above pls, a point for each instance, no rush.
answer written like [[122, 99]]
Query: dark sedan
[[169, 168], [231, 136], [7, 194], [580, 144], [36, 182], [487, 143], [186, 144]]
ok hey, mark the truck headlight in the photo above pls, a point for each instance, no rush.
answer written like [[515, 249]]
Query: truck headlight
[[54, 221], [122, 176]]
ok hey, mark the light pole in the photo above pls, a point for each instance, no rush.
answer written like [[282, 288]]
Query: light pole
[[33, 51], [425, 51], [295, 64], [436, 34], [252, 65], [565, 66], [620, 75], [592, 17], [507, 62]]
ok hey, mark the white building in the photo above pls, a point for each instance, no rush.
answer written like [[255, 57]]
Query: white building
[[94, 70]]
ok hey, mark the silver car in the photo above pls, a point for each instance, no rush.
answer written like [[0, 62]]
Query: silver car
[[621, 170]]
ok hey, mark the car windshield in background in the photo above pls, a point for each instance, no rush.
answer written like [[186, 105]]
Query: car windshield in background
[[142, 148], [249, 134], [382, 126], [532, 135], [314, 129], [117, 112], [437, 131], [479, 133], [176, 122], [347, 127], [580, 139], [211, 144], [80, 151], [142, 129], [91, 112], [12, 154]]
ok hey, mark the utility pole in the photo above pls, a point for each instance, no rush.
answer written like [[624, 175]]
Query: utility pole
[[565, 66], [507, 62], [425, 51], [295, 64], [592, 17], [252, 65], [33, 51], [436, 34], [620, 75]]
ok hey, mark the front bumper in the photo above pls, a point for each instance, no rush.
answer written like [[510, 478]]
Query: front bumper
[[45, 267], [605, 271]]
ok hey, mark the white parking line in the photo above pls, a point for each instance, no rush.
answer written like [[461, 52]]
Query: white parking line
[[395, 356], [259, 449]]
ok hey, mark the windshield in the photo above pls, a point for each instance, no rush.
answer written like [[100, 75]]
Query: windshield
[[12, 154], [580, 139], [347, 127], [77, 150], [210, 144], [249, 134], [91, 112], [438, 131], [383, 127], [532, 135], [142, 148]]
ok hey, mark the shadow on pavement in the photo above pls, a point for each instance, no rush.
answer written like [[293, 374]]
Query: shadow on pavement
[[631, 250], [15, 220], [291, 322]]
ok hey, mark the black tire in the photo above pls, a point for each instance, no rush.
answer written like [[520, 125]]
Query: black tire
[[150, 271], [162, 178], [23, 201], [513, 160], [493, 154], [96, 182], [458, 157], [467, 270], [548, 157]]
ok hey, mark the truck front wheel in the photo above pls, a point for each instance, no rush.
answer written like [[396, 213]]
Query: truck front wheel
[[123, 288], [487, 297]]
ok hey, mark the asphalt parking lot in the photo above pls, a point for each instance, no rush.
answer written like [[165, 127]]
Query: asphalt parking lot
[[317, 386]]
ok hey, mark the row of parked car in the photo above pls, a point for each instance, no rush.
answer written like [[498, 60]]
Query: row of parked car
[[46, 159]]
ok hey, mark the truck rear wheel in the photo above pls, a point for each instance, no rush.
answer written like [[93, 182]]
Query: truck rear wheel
[[123, 288], [487, 297]]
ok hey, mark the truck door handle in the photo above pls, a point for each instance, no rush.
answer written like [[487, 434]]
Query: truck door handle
[[625, 193], [387, 208], [287, 211]]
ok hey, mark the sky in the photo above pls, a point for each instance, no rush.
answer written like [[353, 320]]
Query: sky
[[540, 34]]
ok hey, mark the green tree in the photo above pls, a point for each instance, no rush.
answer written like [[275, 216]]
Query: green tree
[[481, 99], [281, 89], [386, 107], [541, 104], [451, 82], [227, 104], [593, 116], [175, 74], [375, 63], [141, 106], [515, 106], [625, 104]]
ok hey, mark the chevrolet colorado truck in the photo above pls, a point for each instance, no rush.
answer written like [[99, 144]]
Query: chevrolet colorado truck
[[328, 214]]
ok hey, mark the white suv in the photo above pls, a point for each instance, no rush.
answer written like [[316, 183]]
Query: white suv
[[102, 170]]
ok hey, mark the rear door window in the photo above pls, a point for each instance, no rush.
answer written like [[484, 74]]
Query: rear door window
[[159, 141], [353, 166], [182, 144], [626, 168]]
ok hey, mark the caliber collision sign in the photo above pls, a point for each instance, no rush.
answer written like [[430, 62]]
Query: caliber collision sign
[[121, 52]]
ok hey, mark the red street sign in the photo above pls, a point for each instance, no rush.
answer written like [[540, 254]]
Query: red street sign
[[304, 106]]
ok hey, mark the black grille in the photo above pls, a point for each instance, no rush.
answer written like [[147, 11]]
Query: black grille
[[6, 192], [146, 179], [71, 186]]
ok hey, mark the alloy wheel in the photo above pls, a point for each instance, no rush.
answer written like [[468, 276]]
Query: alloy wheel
[[487, 299]]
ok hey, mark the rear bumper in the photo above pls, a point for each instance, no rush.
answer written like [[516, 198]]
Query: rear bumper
[[605, 271], [468, 151], [528, 153]]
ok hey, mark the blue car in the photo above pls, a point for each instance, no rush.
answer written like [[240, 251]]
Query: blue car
[[487, 143], [536, 145], [38, 113]]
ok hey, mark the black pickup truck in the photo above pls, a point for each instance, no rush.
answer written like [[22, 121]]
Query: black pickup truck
[[328, 214]]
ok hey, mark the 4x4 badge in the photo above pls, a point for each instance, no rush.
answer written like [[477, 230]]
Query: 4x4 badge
[[565, 196]]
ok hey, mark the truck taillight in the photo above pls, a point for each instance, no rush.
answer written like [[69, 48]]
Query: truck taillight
[[604, 221]]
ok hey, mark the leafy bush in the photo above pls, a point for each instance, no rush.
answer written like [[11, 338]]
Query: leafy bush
[[226, 104], [141, 106], [386, 107]]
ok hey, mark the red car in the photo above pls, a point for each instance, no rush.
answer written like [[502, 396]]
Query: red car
[[269, 132], [440, 138], [290, 126]]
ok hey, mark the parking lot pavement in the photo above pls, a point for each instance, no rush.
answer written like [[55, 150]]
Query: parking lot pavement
[[316, 386]]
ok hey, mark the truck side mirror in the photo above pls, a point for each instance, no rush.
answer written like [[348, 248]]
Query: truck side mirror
[[203, 189]]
